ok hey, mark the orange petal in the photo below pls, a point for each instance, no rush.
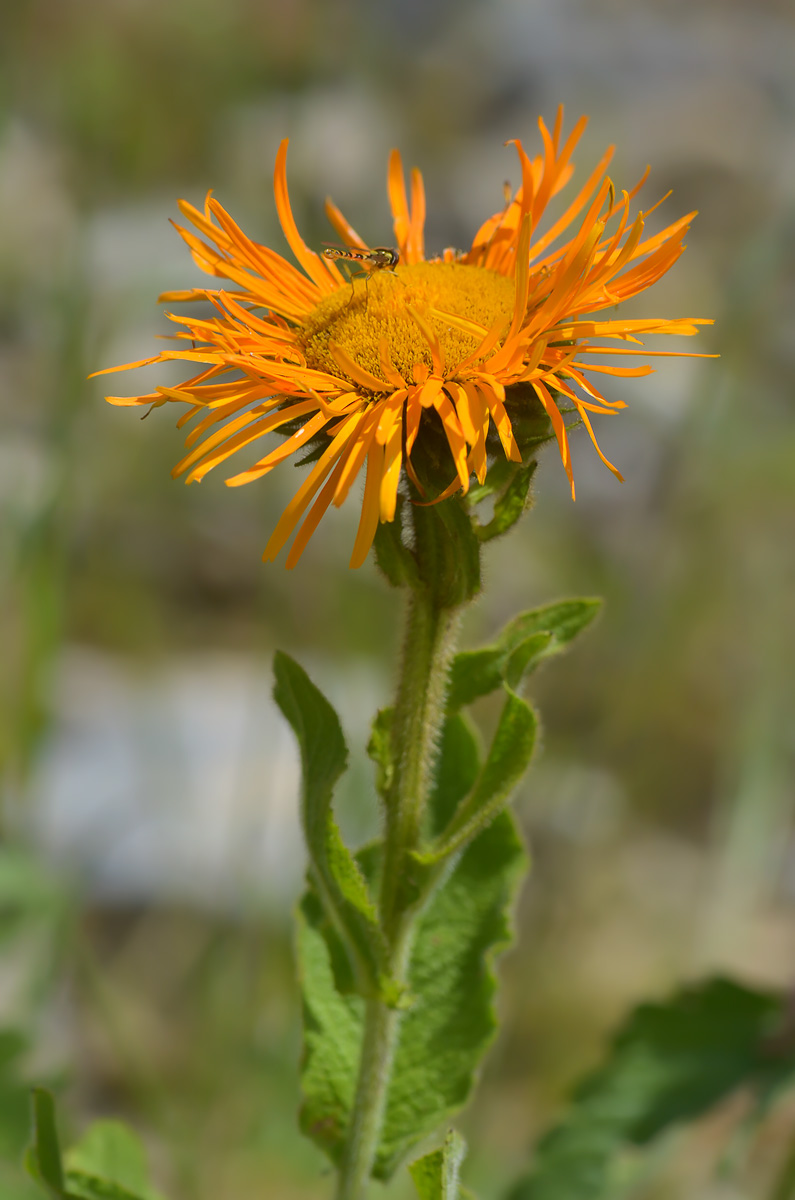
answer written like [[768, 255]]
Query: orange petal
[[393, 457], [363, 377], [437, 353], [416, 238], [348, 234], [313, 518], [368, 522], [303, 497], [553, 412], [396, 188], [325, 275]]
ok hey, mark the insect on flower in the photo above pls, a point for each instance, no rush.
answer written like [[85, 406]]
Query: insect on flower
[[380, 258]]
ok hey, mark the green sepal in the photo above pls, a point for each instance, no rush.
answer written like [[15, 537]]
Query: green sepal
[[339, 881], [510, 504], [393, 558], [508, 759], [449, 1017], [379, 749], [436, 1175], [525, 642], [317, 447], [531, 426], [671, 1062]]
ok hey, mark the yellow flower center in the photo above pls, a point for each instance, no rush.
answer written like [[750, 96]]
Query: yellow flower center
[[357, 318]]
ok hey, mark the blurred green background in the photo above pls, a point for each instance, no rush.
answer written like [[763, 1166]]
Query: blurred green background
[[151, 855]]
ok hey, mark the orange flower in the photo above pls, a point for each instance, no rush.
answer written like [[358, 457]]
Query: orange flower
[[356, 364]]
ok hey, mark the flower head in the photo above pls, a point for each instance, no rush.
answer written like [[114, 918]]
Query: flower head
[[356, 372]]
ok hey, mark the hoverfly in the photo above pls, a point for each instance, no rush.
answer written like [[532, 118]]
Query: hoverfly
[[380, 258]]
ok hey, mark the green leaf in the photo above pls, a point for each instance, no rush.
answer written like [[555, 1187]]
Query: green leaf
[[524, 643], [564, 620], [107, 1164], [379, 748], [332, 1023], [445, 1032], [456, 770], [671, 1062], [14, 1095], [110, 1155], [43, 1159], [324, 757], [83, 1186], [508, 759], [510, 506], [436, 1174], [476, 673]]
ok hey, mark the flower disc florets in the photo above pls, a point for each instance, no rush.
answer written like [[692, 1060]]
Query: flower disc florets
[[374, 365], [380, 309]]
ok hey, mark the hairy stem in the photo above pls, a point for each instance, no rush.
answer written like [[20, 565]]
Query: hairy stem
[[419, 711]]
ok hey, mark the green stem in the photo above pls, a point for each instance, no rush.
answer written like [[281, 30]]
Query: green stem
[[419, 711]]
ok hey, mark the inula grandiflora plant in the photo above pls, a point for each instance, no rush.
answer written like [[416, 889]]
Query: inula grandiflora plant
[[422, 386]]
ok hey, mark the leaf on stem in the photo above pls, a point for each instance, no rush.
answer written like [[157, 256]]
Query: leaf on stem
[[324, 756], [445, 1033], [109, 1153], [14, 1095], [511, 504], [43, 1157], [107, 1164], [521, 646], [670, 1063], [333, 1023], [436, 1174], [456, 770], [379, 749], [508, 759], [451, 1021]]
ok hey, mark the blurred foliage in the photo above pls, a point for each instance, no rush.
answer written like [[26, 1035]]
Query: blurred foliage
[[132, 91], [660, 815], [670, 1063]]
